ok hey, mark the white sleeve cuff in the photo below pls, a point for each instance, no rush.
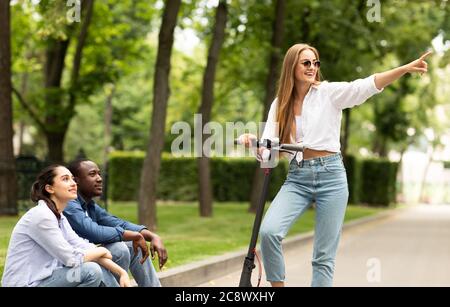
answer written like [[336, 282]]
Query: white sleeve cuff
[[373, 87]]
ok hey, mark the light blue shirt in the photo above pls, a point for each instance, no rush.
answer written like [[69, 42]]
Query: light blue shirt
[[40, 244]]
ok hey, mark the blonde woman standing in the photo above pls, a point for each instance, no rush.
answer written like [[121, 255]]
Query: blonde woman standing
[[309, 111]]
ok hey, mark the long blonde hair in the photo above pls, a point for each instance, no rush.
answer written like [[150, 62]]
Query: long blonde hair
[[286, 100]]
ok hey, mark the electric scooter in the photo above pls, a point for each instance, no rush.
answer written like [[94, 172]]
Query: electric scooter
[[273, 146]]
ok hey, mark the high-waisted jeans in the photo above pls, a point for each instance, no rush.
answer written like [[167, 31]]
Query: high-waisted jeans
[[323, 181]]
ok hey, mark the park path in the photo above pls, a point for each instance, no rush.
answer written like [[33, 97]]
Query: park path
[[409, 248]]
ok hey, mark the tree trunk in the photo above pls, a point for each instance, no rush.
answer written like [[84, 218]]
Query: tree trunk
[[204, 170], [205, 197], [304, 26], [422, 197], [383, 149], [275, 59], [21, 134], [55, 142], [8, 182], [57, 123], [54, 67], [108, 122], [400, 171], [23, 89], [380, 145], [345, 134], [88, 5], [108, 137], [161, 91]]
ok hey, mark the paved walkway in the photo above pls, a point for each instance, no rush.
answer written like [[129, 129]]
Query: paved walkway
[[411, 248]]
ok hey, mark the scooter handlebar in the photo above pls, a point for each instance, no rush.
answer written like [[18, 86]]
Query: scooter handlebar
[[290, 147]]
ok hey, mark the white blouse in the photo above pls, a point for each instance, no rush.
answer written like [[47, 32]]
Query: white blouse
[[298, 129], [39, 245], [322, 112]]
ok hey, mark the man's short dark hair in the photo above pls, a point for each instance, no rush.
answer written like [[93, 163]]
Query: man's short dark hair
[[74, 166]]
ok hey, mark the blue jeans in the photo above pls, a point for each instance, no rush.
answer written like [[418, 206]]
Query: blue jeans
[[88, 274], [320, 180], [144, 274]]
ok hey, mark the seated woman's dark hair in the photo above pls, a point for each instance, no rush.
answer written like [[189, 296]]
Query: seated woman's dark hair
[[38, 192]]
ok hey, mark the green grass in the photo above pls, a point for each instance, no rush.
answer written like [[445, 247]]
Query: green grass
[[189, 237], [6, 227]]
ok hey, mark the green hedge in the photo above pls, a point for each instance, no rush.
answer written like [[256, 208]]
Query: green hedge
[[124, 171], [27, 168], [370, 181], [353, 168], [231, 177], [378, 184]]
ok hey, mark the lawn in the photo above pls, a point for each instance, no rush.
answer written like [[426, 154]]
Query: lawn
[[189, 237]]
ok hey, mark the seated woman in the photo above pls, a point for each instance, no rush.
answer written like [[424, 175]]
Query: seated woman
[[44, 251]]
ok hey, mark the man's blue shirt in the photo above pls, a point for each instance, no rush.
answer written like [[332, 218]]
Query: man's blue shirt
[[92, 222]]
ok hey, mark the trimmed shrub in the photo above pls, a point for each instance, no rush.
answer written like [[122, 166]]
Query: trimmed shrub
[[370, 181], [353, 168], [27, 168], [178, 180], [378, 184], [124, 172]]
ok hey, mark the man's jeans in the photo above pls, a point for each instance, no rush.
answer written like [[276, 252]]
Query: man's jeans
[[320, 180], [123, 254]]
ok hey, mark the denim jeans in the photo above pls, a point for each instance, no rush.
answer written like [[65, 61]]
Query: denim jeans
[[320, 180], [88, 274], [144, 274]]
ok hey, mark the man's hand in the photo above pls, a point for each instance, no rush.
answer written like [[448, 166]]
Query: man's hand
[[140, 243], [156, 246]]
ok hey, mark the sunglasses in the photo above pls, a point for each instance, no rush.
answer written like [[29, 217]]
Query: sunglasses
[[308, 64]]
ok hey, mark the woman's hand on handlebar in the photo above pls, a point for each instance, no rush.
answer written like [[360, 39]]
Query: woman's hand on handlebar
[[262, 154], [247, 139]]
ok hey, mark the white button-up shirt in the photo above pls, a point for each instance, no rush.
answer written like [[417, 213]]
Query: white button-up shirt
[[322, 112]]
